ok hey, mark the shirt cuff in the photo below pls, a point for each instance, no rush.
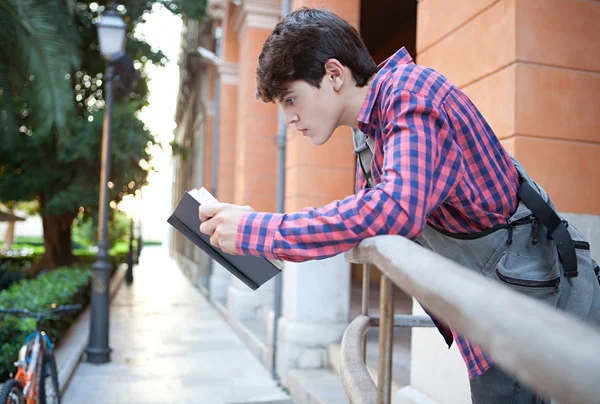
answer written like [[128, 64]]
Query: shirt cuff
[[256, 234]]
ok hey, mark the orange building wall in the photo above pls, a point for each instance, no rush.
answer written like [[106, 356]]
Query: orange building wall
[[318, 175], [256, 146], [228, 112], [533, 69]]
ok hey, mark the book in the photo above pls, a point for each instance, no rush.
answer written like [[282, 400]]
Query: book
[[252, 271]]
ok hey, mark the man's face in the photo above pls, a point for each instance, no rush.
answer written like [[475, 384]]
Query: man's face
[[313, 111]]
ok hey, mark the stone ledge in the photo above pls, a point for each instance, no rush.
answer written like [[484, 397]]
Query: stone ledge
[[410, 395], [334, 361], [316, 386], [258, 348]]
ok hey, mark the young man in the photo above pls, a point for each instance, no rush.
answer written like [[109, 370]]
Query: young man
[[438, 175]]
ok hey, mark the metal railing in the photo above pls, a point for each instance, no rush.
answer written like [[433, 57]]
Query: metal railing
[[552, 353]]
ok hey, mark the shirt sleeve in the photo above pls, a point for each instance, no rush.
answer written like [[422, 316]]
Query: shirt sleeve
[[419, 172]]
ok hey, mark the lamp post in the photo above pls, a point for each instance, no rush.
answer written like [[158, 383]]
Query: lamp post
[[111, 35], [132, 215]]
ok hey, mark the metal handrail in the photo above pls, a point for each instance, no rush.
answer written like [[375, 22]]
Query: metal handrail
[[551, 352]]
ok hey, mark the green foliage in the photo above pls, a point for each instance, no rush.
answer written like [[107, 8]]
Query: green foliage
[[118, 230], [192, 9], [87, 257], [61, 287], [30, 240], [38, 47], [55, 161], [85, 229]]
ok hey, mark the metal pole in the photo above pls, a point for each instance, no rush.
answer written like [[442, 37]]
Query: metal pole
[[214, 178], [217, 102], [281, 144], [98, 350], [365, 304], [139, 243], [386, 330], [129, 274]]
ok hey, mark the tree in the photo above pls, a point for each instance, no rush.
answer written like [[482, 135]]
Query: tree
[[61, 169], [38, 46]]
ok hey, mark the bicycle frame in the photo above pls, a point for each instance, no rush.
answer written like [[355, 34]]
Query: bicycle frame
[[30, 371], [36, 351]]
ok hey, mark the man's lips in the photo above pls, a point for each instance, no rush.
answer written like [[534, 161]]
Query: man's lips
[[303, 131]]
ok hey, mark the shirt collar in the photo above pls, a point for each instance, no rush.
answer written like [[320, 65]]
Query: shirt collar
[[401, 57]]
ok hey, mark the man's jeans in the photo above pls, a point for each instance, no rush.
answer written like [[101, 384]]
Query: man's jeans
[[497, 387]]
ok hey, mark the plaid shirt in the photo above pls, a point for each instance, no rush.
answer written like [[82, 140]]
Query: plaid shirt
[[436, 161]]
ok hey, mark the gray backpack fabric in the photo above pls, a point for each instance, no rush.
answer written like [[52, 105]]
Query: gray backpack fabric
[[521, 255]]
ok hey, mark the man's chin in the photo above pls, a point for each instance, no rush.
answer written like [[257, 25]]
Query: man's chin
[[317, 141]]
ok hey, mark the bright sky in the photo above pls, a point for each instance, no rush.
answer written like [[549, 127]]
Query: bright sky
[[162, 31]]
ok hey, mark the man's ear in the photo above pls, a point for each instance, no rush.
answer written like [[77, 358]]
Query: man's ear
[[335, 73]]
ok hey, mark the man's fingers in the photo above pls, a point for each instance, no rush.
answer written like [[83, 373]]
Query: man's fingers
[[209, 226], [214, 240], [208, 210]]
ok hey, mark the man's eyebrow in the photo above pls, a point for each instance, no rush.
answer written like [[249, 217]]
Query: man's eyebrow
[[285, 94]]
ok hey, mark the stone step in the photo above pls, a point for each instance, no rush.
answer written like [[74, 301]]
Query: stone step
[[334, 360], [316, 386]]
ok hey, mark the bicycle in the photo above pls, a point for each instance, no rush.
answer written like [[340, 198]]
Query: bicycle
[[35, 363]]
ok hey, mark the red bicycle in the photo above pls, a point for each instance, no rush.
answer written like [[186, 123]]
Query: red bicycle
[[36, 380]]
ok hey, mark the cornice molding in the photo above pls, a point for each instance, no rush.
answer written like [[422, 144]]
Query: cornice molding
[[229, 73], [216, 9], [256, 14]]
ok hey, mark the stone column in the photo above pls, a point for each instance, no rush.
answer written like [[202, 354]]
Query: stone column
[[220, 279], [316, 294], [315, 313], [256, 147]]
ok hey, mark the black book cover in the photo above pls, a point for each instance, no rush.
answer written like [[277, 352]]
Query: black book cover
[[253, 271]]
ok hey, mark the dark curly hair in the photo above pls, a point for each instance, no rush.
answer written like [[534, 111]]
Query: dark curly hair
[[299, 46]]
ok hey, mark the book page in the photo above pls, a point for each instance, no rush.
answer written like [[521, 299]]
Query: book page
[[203, 196]]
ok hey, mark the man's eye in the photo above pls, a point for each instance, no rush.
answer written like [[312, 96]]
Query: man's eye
[[290, 101]]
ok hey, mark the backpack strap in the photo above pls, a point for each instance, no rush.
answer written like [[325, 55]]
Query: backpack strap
[[538, 201], [364, 149], [556, 227]]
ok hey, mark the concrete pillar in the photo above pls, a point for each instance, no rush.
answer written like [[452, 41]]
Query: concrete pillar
[[219, 283], [538, 88], [316, 294], [255, 142], [220, 278], [315, 313]]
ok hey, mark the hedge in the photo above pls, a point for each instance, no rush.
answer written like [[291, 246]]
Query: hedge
[[14, 268], [61, 286]]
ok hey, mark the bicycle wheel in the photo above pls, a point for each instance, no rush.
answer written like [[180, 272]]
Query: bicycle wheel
[[49, 389], [12, 393]]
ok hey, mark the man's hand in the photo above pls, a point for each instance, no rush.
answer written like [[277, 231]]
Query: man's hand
[[220, 221]]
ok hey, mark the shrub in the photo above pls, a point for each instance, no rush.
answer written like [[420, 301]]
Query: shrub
[[14, 268], [88, 257], [61, 286]]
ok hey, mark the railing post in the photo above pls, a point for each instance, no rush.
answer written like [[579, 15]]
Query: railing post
[[365, 304], [386, 333]]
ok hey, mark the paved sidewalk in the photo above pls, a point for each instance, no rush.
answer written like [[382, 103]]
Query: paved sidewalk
[[171, 346]]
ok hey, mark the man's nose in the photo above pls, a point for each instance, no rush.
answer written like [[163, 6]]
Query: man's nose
[[289, 118]]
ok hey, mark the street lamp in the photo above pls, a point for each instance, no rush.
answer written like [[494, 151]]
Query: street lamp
[[131, 208], [111, 36]]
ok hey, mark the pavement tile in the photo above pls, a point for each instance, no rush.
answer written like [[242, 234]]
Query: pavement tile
[[171, 346]]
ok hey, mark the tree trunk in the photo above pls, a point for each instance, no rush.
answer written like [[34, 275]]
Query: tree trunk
[[9, 236], [57, 242]]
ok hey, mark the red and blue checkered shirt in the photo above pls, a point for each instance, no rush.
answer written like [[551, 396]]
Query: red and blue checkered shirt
[[436, 161]]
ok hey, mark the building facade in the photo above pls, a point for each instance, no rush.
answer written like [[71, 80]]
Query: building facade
[[531, 66]]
